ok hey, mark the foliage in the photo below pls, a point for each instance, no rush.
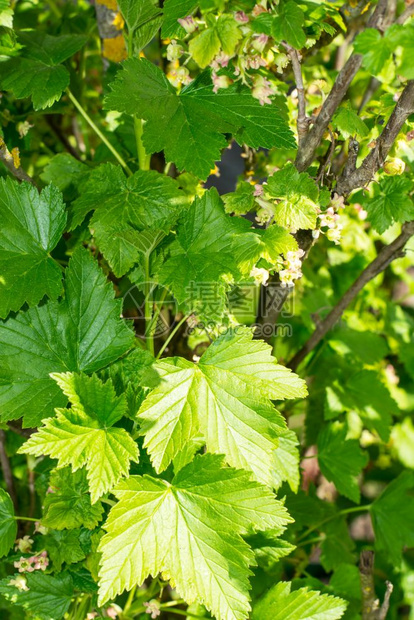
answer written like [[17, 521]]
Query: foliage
[[206, 309]]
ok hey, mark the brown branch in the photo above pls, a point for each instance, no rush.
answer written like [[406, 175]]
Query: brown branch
[[10, 162], [406, 14], [371, 609], [302, 122], [379, 264], [6, 469], [359, 177], [307, 149]]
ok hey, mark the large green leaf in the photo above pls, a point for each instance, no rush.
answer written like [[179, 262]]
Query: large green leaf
[[84, 436], [341, 460], [173, 121], [68, 504], [191, 531], [38, 72], [8, 524], [31, 225], [147, 200], [226, 397], [279, 603], [393, 517], [47, 597], [82, 332]]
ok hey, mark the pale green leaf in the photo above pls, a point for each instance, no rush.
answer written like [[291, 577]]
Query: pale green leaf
[[279, 603], [288, 24], [84, 435], [191, 531], [231, 386]]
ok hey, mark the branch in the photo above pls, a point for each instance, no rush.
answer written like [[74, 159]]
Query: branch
[[370, 604], [379, 264], [10, 160], [6, 469], [307, 149], [359, 177], [302, 122]]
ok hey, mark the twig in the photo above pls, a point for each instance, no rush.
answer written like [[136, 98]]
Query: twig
[[10, 162], [371, 609], [379, 264], [7, 472], [405, 14], [303, 121], [359, 177], [312, 140]]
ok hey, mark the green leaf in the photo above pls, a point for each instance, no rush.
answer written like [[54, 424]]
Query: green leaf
[[145, 200], [204, 46], [268, 244], [348, 123], [286, 460], [392, 516], [241, 201], [48, 597], [66, 173], [84, 436], [173, 11], [288, 24], [136, 13], [81, 333], [279, 603], [64, 546], [224, 34], [190, 530], [341, 460], [268, 548], [202, 264], [8, 524], [68, 504], [297, 194], [31, 225], [337, 546], [37, 72], [142, 89], [392, 204], [231, 385], [375, 48]]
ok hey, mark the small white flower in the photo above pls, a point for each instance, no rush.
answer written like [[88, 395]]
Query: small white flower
[[23, 544], [262, 89], [241, 17], [174, 51], [153, 608], [259, 42], [220, 81], [261, 276], [20, 583]]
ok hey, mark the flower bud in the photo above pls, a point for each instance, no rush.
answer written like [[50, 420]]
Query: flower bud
[[394, 166], [220, 81], [174, 51], [188, 23]]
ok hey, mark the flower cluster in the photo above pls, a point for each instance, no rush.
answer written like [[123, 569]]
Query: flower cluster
[[254, 52], [35, 562], [330, 220], [153, 608], [292, 268]]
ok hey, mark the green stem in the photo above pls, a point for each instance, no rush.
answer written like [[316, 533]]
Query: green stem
[[34, 519], [129, 600], [148, 307], [143, 158], [98, 132], [180, 612], [171, 336], [341, 513], [158, 308]]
